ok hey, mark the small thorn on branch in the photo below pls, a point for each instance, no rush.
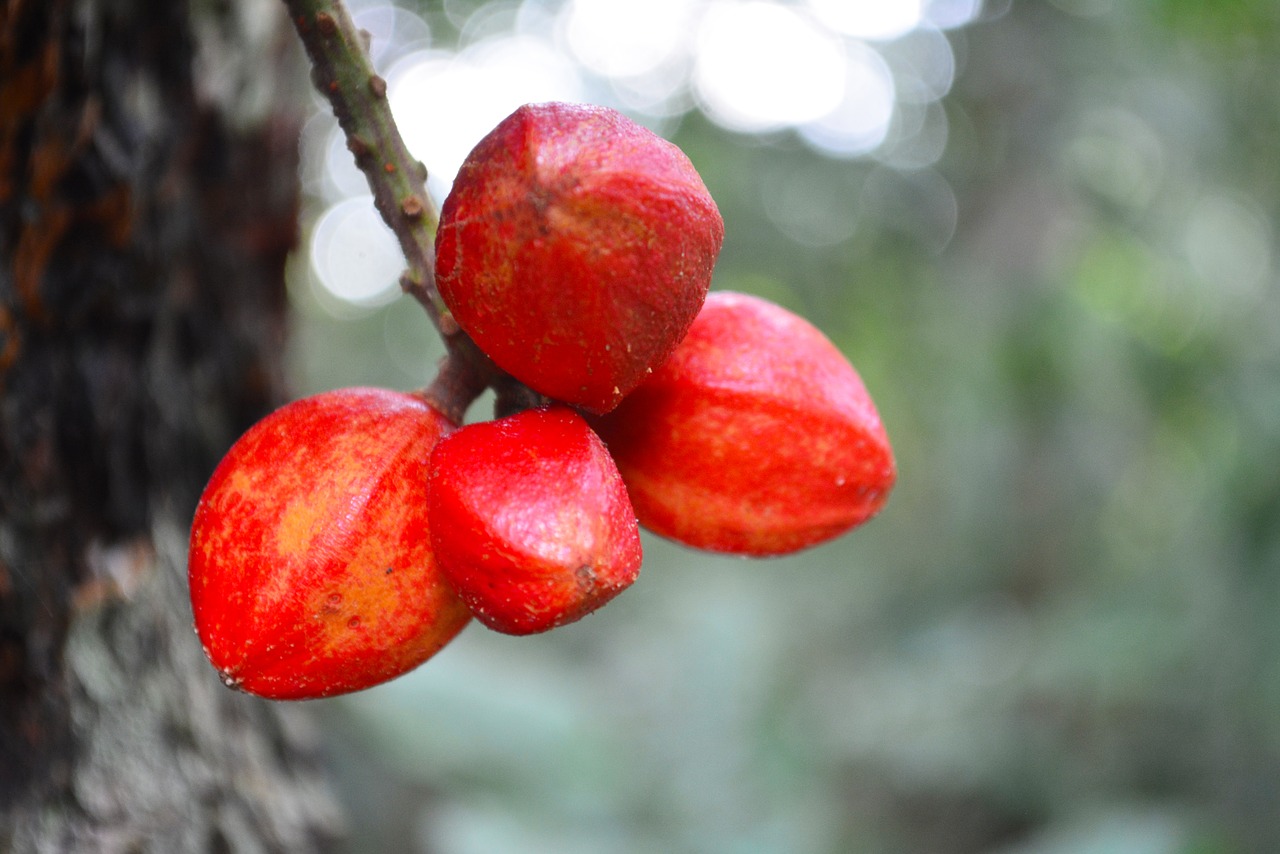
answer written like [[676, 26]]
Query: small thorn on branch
[[448, 326], [412, 207], [361, 149]]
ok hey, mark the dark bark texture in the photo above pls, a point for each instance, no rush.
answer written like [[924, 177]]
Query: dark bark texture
[[148, 201]]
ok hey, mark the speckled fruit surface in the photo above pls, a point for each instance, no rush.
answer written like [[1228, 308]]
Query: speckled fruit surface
[[530, 520], [575, 248], [310, 561], [756, 437]]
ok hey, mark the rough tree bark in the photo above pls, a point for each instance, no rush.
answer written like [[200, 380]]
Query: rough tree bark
[[148, 200]]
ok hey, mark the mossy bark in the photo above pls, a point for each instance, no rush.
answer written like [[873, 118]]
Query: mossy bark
[[148, 201]]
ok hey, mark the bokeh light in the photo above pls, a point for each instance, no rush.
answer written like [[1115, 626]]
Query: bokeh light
[[860, 121], [1228, 245], [869, 19], [628, 39], [850, 78], [762, 66], [444, 103], [354, 256]]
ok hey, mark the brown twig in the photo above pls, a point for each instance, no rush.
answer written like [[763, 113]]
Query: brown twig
[[342, 71]]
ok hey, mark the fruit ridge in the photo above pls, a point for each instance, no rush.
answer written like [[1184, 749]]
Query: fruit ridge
[[310, 563], [531, 521], [575, 248], [756, 437]]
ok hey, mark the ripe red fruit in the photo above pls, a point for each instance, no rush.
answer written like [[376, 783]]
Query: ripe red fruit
[[756, 437], [310, 563], [575, 248], [530, 520]]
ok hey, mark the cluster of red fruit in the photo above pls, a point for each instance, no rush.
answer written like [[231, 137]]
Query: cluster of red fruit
[[348, 536]]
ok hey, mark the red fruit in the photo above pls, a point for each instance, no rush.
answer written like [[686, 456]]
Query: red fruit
[[310, 565], [530, 521], [756, 437], [575, 248]]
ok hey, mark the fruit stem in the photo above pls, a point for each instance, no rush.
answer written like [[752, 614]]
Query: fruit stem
[[513, 397], [456, 384], [343, 73]]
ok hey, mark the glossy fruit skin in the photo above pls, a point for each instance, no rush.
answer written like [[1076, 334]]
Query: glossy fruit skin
[[310, 561], [530, 520], [756, 437], [575, 248]]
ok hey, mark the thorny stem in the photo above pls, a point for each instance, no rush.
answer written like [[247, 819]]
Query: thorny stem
[[342, 71]]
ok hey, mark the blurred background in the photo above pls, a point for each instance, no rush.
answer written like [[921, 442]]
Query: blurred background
[[1045, 233]]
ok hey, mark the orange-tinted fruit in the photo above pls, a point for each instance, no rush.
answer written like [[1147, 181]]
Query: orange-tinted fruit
[[530, 520], [310, 562], [575, 248], [756, 437]]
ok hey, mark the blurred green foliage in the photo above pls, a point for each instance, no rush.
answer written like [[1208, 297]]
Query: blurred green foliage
[[1063, 633]]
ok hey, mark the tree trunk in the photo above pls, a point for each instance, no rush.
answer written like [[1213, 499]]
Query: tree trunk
[[148, 200]]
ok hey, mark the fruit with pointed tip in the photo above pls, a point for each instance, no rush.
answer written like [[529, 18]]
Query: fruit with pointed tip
[[310, 562], [530, 520], [756, 437], [575, 248]]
